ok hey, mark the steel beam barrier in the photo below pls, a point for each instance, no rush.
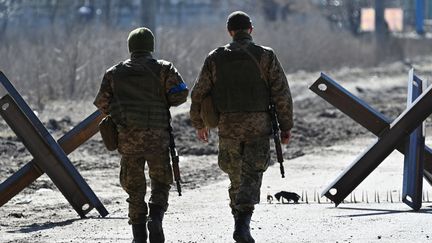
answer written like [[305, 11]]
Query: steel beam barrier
[[47, 153], [363, 114], [30, 172], [354, 174], [355, 108], [18, 181], [59, 169], [412, 185]]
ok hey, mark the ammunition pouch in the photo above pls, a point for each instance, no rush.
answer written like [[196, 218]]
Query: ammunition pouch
[[109, 133]]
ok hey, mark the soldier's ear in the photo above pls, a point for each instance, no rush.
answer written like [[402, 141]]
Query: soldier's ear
[[250, 30], [231, 33]]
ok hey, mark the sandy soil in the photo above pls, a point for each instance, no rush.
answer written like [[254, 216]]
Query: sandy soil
[[324, 142]]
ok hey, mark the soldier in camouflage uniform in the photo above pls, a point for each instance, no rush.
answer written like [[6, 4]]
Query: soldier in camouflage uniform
[[137, 93], [240, 78]]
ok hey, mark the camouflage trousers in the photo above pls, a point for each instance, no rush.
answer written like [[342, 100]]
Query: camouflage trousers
[[133, 181], [245, 163]]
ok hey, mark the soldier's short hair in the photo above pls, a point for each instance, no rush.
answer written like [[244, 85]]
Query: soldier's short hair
[[238, 20]]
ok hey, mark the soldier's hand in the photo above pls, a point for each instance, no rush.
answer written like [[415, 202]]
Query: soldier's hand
[[203, 134], [285, 137]]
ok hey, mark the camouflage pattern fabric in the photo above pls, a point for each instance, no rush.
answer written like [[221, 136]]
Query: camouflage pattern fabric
[[246, 125], [245, 163], [169, 75], [244, 150], [140, 145], [136, 141], [133, 181]]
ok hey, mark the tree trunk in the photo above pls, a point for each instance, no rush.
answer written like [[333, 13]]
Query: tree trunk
[[148, 14]]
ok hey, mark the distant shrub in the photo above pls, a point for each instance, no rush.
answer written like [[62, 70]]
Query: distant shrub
[[68, 63]]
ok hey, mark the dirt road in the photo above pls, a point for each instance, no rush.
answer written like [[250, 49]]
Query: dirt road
[[324, 142]]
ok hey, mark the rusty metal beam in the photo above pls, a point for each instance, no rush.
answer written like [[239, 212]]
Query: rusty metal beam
[[19, 181], [51, 159], [68, 142], [48, 155]]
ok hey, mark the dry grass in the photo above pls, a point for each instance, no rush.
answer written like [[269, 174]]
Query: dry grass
[[59, 62]]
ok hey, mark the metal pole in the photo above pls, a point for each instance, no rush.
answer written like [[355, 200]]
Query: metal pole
[[380, 25], [419, 10]]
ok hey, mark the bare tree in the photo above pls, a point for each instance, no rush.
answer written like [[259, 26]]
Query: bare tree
[[107, 12], [53, 7], [4, 15], [148, 13]]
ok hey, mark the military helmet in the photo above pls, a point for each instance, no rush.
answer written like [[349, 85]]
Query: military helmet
[[238, 20], [141, 39]]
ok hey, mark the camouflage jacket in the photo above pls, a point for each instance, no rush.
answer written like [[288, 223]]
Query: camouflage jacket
[[246, 125], [131, 139]]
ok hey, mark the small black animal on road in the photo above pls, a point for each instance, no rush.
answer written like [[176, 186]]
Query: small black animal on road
[[288, 196]]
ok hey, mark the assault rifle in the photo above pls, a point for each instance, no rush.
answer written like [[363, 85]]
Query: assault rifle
[[174, 159], [275, 125], [276, 138], [172, 146]]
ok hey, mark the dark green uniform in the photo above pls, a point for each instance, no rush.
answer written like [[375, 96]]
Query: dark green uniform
[[241, 86], [138, 93]]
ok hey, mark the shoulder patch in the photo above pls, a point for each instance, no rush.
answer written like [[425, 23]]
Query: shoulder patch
[[177, 89]]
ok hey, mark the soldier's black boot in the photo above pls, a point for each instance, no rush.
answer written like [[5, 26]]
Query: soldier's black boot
[[242, 227], [154, 224], [139, 232]]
